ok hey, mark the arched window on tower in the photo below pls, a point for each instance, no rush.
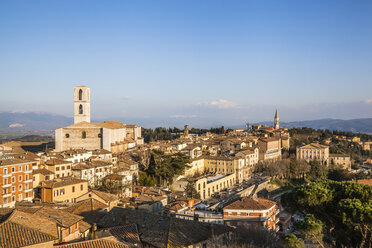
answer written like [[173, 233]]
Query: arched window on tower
[[83, 135], [80, 94], [80, 109]]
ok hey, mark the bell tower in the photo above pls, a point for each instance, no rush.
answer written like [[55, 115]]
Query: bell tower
[[81, 104], [276, 120]]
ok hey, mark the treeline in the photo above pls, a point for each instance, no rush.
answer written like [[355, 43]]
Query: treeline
[[325, 134], [162, 133], [300, 169]]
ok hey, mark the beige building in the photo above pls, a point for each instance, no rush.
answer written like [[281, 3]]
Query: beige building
[[93, 136], [342, 160], [270, 149], [207, 186], [228, 165], [63, 189], [60, 168], [313, 151]]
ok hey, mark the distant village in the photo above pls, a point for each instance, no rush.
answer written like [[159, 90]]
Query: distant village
[[98, 187]]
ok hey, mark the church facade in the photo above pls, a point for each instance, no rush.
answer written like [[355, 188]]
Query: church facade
[[109, 135]]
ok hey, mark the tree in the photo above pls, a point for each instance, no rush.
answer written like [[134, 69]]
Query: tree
[[292, 241], [345, 209], [191, 191], [312, 229]]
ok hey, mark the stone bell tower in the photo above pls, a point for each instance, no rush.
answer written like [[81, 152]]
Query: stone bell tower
[[81, 104], [276, 120]]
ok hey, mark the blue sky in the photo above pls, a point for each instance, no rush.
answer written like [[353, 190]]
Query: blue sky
[[203, 62]]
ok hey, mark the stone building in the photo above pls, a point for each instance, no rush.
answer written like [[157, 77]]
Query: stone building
[[313, 151], [84, 134]]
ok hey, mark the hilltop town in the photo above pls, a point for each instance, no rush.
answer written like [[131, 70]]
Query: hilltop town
[[110, 184]]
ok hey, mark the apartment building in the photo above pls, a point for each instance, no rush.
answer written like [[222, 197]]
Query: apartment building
[[227, 165], [270, 149], [63, 189], [60, 167], [252, 211], [15, 181], [313, 151], [342, 160], [93, 171]]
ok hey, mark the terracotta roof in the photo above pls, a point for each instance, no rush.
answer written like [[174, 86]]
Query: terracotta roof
[[126, 233], [314, 146], [59, 216], [96, 243], [161, 231], [251, 204], [105, 124], [42, 172], [60, 182], [106, 196], [365, 181], [14, 235], [12, 161], [40, 223], [339, 155], [56, 161]]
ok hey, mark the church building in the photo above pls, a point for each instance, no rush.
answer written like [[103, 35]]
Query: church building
[[110, 135]]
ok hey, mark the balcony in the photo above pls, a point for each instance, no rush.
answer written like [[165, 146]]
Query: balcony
[[28, 190], [29, 171], [28, 181], [7, 175], [7, 185], [7, 195]]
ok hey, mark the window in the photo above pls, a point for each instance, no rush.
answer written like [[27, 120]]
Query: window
[[62, 168], [20, 197], [57, 168], [81, 187], [5, 171], [68, 167], [80, 109], [20, 168], [13, 189], [5, 201], [20, 178], [56, 192], [67, 135], [229, 213], [13, 179], [99, 135], [26, 177], [62, 191], [13, 198], [80, 94], [46, 178], [83, 135], [20, 187], [26, 168], [199, 186], [73, 189], [13, 169]]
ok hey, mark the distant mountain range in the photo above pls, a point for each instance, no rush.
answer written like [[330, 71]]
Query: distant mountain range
[[354, 125], [45, 123]]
